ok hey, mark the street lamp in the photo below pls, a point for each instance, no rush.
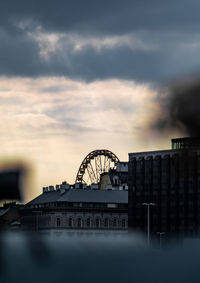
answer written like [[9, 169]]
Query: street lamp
[[160, 238], [148, 204]]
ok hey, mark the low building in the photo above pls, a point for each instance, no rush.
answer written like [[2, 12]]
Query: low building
[[77, 207]]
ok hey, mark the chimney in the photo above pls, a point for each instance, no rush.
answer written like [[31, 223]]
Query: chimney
[[51, 188], [45, 189], [63, 187], [94, 186], [77, 185]]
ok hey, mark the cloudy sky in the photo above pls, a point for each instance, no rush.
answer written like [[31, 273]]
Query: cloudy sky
[[82, 75]]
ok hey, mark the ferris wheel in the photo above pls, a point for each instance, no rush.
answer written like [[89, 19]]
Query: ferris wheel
[[94, 164]]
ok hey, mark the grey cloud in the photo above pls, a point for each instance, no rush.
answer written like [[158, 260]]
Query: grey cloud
[[57, 89], [170, 25], [77, 128], [113, 16], [19, 55]]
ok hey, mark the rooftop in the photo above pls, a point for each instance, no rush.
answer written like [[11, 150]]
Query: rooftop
[[81, 195]]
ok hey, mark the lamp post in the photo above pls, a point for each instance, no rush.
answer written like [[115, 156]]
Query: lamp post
[[160, 238], [37, 212], [148, 204]]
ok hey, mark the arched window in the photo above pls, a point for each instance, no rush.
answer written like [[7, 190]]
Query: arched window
[[106, 222], [123, 223], [79, 222], [115, 222], [70, 222], [58, 221], [97, 222], [88, 222]]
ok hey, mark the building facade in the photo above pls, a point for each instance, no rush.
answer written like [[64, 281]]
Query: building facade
[[67, 207], [170, 179]]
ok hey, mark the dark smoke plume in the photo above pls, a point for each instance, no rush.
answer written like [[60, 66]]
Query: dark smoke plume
[[180, 109]]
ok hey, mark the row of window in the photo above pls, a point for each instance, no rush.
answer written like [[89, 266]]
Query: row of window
[[96, 223], [81, 205]]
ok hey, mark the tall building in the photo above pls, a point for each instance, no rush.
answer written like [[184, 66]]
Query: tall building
[[171, 180]]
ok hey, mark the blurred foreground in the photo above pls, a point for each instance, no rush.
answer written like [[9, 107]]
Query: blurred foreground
[[94, 258]]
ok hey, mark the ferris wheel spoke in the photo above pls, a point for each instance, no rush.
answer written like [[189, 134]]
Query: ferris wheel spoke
[[91, 173], [104, 166], [88, 178], [108, 165], [101, 165], [98, 167], [94, 173]]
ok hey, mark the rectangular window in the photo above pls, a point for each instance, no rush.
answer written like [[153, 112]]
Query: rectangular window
[[111, 205], [58, 221]]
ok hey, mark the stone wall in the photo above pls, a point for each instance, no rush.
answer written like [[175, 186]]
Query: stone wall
[[85, 220]]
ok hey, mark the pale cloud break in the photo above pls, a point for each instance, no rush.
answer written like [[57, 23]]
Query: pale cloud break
[[54, 122]]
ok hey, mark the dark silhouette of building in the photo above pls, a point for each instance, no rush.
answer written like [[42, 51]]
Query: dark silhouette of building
[[171, 180]]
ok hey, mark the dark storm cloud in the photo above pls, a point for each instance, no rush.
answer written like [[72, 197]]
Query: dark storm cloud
[[113, 16], [180, 108], [18, 55], [154, 22]]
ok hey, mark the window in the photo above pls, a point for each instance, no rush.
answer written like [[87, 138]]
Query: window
[[97, 222], [114, 222], [76, 204], [111, 205], [79, 222], [123, 223], [88, 222], [58, 221], [106, 222], [70, 222], [115, 179]]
